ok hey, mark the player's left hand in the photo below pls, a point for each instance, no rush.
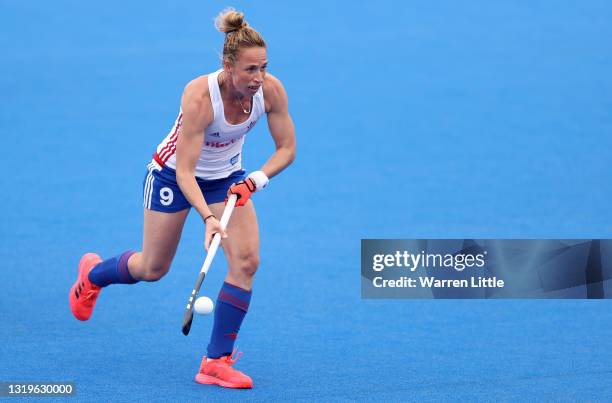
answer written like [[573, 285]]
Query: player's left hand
[[243, 190]]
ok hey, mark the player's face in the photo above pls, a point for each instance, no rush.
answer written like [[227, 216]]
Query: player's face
[[249, 70]]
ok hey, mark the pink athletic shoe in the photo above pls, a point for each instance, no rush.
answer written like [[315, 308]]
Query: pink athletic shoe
[[219, 371], [84, 293]]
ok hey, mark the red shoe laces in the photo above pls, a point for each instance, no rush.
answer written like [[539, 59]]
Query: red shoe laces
[[90, 294], [232, 358]]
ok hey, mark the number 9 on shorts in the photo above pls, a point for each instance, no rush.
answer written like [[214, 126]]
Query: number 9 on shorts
[[166, 196]]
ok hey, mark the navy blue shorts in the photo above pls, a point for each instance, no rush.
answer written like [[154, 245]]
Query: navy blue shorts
[[162, 193]]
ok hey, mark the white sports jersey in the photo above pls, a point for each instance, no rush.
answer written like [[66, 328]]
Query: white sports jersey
[[221, 152]]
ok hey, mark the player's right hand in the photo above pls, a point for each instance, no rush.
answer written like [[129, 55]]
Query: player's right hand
[[213, 226]]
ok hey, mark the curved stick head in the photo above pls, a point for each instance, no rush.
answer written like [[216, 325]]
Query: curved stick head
[[187, 321]]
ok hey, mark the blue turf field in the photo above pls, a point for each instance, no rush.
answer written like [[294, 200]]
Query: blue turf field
[[414, 120]]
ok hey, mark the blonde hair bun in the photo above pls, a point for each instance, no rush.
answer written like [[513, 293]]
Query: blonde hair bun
[[230, 20], [243, 35]]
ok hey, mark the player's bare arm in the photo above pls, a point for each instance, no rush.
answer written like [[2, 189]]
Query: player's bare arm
[[280, 125], [282, 131], [197, 115]]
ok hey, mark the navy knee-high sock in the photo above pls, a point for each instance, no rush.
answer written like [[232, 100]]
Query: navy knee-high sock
[[232, 305], [113, 271]]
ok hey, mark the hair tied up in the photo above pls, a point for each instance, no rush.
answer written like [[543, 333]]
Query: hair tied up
[[243, 35], [229, 20]]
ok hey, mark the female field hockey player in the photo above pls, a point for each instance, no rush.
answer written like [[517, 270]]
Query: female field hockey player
[[197, 165]]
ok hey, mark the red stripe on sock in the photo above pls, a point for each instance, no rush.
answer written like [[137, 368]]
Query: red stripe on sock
[[229, 298]]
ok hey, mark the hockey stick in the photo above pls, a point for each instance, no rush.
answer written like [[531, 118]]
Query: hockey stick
[[212, 250]]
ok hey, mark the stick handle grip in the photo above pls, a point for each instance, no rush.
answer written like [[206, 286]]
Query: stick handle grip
[[214, 245]]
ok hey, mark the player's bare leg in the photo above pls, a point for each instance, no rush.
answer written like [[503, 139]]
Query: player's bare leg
[[162, 232], [241, 249]]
